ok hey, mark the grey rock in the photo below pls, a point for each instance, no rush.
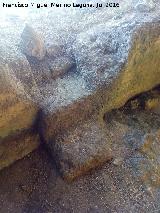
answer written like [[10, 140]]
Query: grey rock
[[55, 50], [126, 49], [102, 51], [60, 66], [32, 43]]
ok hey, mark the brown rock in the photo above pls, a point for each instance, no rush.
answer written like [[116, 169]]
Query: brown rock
[[32, 43], [18, 113], [15, 115], [17, 146], [81, 149]]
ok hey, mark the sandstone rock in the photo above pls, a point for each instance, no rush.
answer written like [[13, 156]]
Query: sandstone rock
[[116, 56], [138, 69], [17, 146], [102, 59], [81, 149], [153, 105], [32, 43], [111, 87], [17, 117], [47, 71], [18, 113]]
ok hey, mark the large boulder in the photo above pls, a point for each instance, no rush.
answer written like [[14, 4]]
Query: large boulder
[[116, 63], [18, 113], [87, 68]]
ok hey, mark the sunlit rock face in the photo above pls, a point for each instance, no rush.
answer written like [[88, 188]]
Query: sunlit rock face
[[32, 44], [17, 115], [89, 61], [102, 51], [138, 75]]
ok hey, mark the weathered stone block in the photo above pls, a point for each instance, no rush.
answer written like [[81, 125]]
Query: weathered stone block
[[81, 149], [17, 146], [18, 113]]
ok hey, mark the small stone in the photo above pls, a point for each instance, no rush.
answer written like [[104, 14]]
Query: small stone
[[118, 161], [150, 191], [32, 43]]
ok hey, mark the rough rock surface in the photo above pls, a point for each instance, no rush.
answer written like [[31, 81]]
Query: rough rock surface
[[34, 185], [112, 57], [32, 44], [17, 117], [60, 66], [138, 131], [17, 146], [139, 74], [15, 114], [18, 113], [81, 149]]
